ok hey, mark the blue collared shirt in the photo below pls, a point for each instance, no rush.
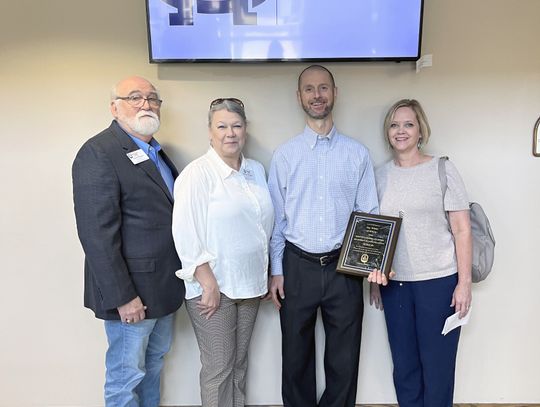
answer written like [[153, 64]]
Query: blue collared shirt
[[315, 183], [152, 150]]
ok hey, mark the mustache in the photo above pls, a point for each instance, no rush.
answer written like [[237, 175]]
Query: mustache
[[147, 113]]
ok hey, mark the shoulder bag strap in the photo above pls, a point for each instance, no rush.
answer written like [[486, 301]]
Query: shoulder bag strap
[[444, 184]]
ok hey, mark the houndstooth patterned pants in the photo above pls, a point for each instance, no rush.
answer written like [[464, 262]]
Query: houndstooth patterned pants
[[223, 342]]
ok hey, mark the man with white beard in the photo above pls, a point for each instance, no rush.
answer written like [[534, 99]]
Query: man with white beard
[[123, 195]]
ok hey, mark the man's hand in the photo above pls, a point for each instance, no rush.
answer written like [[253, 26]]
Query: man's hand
[[133, 311], [375, 296], [276, 292]]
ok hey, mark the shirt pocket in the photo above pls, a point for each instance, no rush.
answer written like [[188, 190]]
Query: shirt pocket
[[343, 185]]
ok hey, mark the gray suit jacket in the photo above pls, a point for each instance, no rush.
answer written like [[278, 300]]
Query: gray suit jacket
[[124, 216]]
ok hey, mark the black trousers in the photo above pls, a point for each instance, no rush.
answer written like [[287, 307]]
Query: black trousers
[[308, 287]]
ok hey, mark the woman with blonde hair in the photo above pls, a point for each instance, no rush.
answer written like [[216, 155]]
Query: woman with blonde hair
[[432, 262]]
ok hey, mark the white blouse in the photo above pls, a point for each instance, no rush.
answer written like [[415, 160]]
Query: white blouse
[[223, 217]]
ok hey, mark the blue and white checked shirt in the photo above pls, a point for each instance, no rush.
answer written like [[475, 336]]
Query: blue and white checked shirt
[[315, 183]]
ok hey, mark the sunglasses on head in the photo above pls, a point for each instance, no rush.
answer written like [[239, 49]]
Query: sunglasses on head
[[221, 100]]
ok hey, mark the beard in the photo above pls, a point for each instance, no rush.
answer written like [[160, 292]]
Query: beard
[[318, 116], [145, 123]]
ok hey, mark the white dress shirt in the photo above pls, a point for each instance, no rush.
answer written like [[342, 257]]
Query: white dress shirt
[[223, 217]]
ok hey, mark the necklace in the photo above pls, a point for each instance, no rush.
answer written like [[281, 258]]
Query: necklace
[[402, 189]]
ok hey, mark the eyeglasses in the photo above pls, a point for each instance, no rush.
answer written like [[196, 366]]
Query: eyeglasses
[[138, 100], [221, 100]]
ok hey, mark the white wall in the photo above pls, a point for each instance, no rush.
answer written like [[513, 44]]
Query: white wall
[[58, 59]]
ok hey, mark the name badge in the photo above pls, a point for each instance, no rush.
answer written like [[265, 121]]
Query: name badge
[[137, 156], [248, 174]]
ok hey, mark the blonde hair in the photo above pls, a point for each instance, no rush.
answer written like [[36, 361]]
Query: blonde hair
[[425, 130]]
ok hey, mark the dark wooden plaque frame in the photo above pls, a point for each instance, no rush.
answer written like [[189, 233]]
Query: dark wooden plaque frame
[[370, 242]]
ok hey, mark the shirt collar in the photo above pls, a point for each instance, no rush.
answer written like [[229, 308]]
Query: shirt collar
[[146, 146], [223, 169], [311, 137]]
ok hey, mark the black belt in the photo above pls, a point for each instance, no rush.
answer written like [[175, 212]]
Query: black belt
[[321, 258]]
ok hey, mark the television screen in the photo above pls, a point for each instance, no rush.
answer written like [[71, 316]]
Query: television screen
[[283, 30]]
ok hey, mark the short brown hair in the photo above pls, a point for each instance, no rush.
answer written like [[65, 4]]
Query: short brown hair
[[317, 68]]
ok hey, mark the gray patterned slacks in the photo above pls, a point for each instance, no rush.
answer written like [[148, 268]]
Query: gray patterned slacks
[[223, 342]]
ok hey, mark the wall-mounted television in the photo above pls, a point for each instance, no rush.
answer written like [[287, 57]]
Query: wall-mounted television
[[283, 30]]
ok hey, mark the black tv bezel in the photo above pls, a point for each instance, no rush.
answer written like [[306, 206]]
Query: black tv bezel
[[284, 60]]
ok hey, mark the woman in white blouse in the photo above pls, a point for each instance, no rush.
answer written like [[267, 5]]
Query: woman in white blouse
[[222, 222]]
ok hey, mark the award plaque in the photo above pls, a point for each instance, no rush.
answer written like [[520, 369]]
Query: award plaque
[[369, 243]]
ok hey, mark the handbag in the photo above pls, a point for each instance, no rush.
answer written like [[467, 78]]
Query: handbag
[[483, 241]]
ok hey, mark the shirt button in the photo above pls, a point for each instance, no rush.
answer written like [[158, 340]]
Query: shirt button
[[400, 284]]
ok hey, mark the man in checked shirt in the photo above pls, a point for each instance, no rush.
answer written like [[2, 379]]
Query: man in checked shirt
[[316, 180]]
